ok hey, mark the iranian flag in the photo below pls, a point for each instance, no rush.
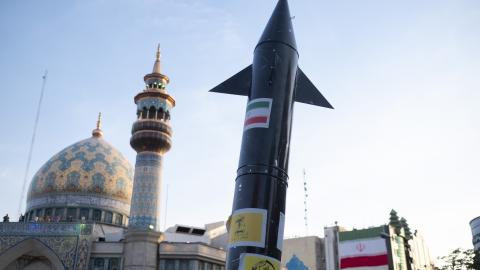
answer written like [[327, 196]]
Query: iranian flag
[[363, 250], [258, 113]]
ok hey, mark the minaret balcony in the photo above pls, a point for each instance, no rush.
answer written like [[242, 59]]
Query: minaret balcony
[[151, 135], [152, 124]]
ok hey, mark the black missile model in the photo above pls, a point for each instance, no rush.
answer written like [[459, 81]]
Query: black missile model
[[272, 83]]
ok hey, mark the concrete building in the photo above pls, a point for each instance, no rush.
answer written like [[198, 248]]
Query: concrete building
[[86, 211], [475, 226], [331, 247], [303, 253], [422, 260], [399, 248]]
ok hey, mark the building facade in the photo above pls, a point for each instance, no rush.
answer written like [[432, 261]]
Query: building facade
[[303, 253], [422, 260], [401, 252], [475, 226]]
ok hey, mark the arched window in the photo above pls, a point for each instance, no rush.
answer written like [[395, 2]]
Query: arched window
[[151, 113], [144, 113], [167, 116], [161, 113]]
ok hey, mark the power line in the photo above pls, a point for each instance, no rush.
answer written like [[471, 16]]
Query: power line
[[32, 142]]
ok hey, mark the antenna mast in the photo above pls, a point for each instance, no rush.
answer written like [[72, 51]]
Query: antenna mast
[[305, 201], [32, 143], [166, 209]]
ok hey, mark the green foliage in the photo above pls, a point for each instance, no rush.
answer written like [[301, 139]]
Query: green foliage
[[394, 220], [459, 259], [406, 228]]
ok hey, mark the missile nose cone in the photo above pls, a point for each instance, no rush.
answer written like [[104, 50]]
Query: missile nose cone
[[279, 28]]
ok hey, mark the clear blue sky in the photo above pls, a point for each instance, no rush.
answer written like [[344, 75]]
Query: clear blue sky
[[402, 75]]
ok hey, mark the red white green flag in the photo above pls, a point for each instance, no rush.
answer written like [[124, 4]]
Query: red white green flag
[[258, 113], [363, 250]]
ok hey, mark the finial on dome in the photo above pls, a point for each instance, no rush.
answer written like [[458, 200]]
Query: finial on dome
[[97, 132], [156, 66]]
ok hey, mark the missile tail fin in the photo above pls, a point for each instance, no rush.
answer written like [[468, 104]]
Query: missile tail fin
[[238, 84], [306, 92]]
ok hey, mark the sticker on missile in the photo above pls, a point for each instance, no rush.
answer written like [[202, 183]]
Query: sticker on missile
[[247, 227], [281, 227], [250, 261], [258, 113]]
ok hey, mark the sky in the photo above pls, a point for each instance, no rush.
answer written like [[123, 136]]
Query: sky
[[402, 76]]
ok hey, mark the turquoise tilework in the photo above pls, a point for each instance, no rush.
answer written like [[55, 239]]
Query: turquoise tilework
[[145, 205]]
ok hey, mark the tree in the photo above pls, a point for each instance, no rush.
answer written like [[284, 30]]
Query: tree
[[406, 228], [476, 261], [395, 221], [459, 259]]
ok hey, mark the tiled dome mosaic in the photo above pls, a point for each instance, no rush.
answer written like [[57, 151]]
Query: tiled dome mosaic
[[89, 167]]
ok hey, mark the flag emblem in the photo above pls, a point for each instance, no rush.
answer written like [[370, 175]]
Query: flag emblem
[[258, 113], [360, 247]]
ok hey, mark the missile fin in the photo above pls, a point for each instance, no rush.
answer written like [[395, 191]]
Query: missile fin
[[306, 92], [238, 84]]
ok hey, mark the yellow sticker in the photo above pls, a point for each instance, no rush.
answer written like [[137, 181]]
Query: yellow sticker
[[250, 261], [247, 227]]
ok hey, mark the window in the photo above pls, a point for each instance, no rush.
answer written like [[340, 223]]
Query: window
[[184, 264], [108, 217], [60, 213], [151, 112], [208, 266], [71, 214], [118, 219], [181, 229], [98, 263], [48, 212], [97, 215], [198, 231], [113, 264], [169, 264], [84, 213]]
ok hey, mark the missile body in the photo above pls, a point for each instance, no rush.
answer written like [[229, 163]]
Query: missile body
[[272, 83]]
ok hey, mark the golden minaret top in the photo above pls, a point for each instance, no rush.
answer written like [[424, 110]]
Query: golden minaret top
[[156, 66], [97, 132]]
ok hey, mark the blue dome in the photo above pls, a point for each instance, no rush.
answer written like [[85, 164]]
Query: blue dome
[[89, 173]]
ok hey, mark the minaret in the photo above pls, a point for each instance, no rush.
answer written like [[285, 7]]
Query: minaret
[[151, 139]]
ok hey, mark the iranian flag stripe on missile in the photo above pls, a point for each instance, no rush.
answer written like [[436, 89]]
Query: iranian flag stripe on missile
[[258, 113], [363, 250]]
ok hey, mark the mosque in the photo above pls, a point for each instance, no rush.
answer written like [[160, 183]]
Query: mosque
[[85, 211]]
